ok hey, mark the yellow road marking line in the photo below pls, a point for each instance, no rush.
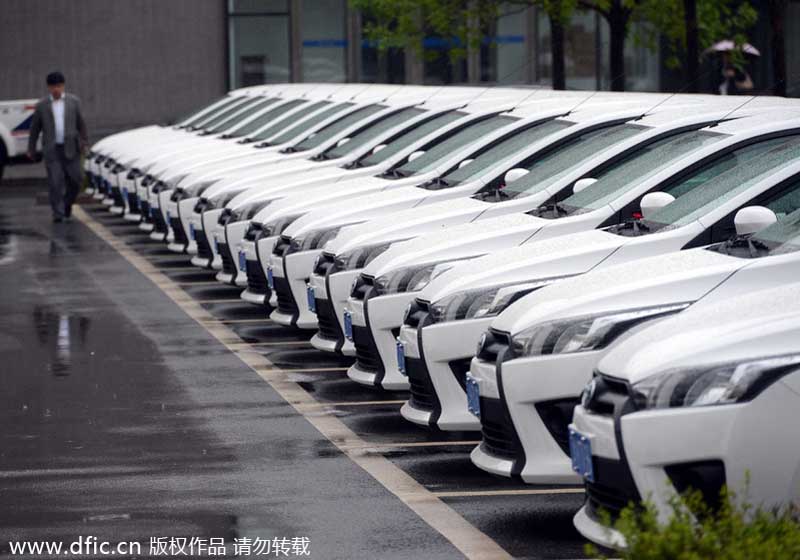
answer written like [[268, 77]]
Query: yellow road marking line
[[525, 492], [467, 538]]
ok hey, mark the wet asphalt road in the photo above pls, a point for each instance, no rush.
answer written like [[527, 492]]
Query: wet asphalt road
[[123, 418]]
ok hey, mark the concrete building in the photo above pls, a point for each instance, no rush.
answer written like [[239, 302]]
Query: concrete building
[[144, 61]]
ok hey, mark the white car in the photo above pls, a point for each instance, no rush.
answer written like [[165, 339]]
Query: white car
[[375, 311], [336, 144], [391, 165], [369, 151], [461, 194], [698, 401], [447, 342], [560, 333], [15, 125]]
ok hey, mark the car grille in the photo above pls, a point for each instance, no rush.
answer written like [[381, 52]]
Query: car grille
[[177, 231], [116, 194], [283, 292], [361, 287], [499, 436], [203, 246], [133, 202], [256, 279], [281, 246], [367, 357], [323, 264], [496, 344], [329, 328], [228, 267], [159, 224], [423, 395], [144, 210], [612, 490]]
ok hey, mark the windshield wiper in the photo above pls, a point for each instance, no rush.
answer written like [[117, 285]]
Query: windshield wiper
[[555, 211], [740, 243], [631, 228]]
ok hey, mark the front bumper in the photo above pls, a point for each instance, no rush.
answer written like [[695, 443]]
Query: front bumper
[[291, 273], [375, 331], [336, 289], [444, 352]]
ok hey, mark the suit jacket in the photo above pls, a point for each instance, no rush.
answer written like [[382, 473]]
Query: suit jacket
[[75, 133]]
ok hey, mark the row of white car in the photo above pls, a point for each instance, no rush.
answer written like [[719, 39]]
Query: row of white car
[[604, 285]]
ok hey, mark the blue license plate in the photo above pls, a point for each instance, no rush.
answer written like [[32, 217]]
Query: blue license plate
[[216, 245], [473, 396], [169, 218], [348, 325], [580, 450], [124, 193], [242, 262], [312, 302], [401, 357], [191, 232], [270, 279], [153, 212]]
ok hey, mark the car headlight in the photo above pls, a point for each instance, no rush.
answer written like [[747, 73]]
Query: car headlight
[[588, 332], [315, 239], [250, 210], [360, 257], [412, 278], [222, 200], [482, 302], [726, 383], [276, 227]]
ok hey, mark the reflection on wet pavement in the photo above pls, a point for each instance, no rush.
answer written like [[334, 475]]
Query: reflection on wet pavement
[[124, 419]]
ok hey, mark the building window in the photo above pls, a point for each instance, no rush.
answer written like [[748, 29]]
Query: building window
[[258, 42], [324, 46]]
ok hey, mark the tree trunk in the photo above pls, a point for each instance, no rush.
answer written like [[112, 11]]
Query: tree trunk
[[618, 29], [692, 44], [557, 54], [777, 11]]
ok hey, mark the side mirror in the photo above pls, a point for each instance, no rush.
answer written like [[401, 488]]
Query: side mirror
[[342, 142], [653, 201], [752, 219], [465, 162], [514, 174], [581, 184], [415, 155], [378, 148]]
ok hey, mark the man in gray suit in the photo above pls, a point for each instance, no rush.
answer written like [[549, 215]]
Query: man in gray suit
[[64, 137]]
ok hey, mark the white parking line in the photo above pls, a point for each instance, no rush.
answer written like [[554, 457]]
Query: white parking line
[[467, 538]]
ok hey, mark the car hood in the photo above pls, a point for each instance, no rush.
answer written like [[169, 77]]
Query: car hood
[[468, 240], [407, 224], [682, 276], [361, 209], [761, 323], [334, 191], [560, 256]]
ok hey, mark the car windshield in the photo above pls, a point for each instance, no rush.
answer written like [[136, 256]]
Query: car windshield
[[299, 127], [408, 137], [547, 169], [223, 112], [515, 142], [265, 118], [198, 116], [635, 168], [371, 131], [238, 114], [329, 131], [441, 148], [722, 180]]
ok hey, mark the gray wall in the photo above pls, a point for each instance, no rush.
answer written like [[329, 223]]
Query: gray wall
[[131, 62]]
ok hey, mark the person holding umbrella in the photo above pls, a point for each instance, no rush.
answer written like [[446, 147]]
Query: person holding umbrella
[[735, 81]]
